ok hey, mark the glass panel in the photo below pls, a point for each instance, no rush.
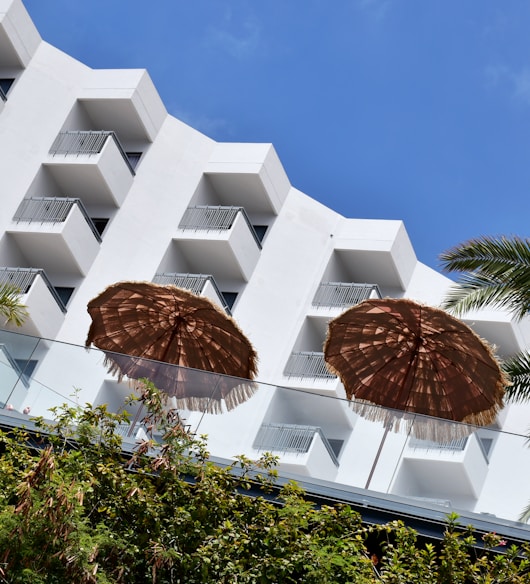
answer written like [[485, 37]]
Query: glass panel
[[422, 463]]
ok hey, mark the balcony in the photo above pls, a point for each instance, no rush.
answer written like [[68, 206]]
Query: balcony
[[200, 284], [126, 101], [56, 234], [45, 307], [307, 370], [249, 173], [302, 449], [219, 240], [455, 470], [342, 295], [307, 364], [372, 251], [19, 38], [91, 164]]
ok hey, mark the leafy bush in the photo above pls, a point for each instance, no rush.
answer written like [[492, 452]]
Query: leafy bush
[[76, 509]]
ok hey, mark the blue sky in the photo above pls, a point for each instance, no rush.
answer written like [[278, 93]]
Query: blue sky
[[390, 109]]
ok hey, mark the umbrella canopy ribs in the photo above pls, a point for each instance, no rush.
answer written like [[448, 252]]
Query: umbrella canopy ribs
[[413, 358], [141, 326]]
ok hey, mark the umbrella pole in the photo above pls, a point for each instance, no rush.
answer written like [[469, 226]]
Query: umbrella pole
[[136, 420], [408, 375], [381, 444]]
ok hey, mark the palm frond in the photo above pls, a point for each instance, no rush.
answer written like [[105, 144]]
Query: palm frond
[[518, 369], [11, 308], [496, 272], [525, 515]]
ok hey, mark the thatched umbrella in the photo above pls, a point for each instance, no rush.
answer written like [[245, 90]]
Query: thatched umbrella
[[407, 357], [142, 327]]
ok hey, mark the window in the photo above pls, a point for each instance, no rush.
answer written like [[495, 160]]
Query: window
[[260, 231], [100, 223], [5, 86], [134, 158], [230, 298], [64, 293], [26, 368], [336, 445]]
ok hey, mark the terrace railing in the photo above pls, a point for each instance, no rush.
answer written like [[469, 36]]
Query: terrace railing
[[80, 142], [51, 210], [456, 445], [193, 282], [290, 438], [3, 96], [307, 364], [344, 294], [215, 218], [23, 278]]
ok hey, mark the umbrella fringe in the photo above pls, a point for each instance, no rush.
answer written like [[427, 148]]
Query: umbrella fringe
[[251, 360], [211, 405], [239, 395], [339, 358], [113, 368], [421, 427]]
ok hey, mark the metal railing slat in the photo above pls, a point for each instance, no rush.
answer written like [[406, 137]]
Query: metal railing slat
[[51, 210], [343, 294], [23, 278], [193, 282], [307, 364], [292, 438], [215, 218], [77, 142]]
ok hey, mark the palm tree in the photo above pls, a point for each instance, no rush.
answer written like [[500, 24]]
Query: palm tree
[[10, 306], [495, 272]]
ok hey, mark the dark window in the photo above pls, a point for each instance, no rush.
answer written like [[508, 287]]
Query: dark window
[[260, 231], [133, 158], [230, 298], [64, 293], [5, 85], [26, 368], [336, 445], [486, 443], [100, 223]]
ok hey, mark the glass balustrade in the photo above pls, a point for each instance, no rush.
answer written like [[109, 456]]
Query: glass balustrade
[[417, 460]]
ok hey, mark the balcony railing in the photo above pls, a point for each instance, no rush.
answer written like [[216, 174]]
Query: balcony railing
[[3, 96], [51, 210], [64, 366], [214, 218], [23, 278], [457, 445], [344, 294], [75, 143], [193, 282], [307, 364], [290, 438]]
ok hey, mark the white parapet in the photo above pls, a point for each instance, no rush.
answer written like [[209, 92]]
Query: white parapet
[[19, 37], [252, 173]]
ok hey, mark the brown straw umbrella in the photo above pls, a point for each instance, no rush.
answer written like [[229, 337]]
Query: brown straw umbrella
[[142, 327], [407, 357]]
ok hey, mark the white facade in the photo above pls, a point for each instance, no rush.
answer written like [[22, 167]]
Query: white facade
[[97, 179]]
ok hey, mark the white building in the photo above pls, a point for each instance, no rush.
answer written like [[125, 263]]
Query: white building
[[101, 184]]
